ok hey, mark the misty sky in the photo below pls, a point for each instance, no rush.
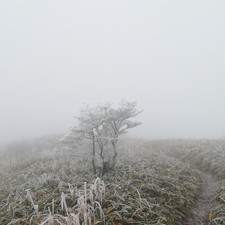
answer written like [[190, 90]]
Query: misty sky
[[169, 56]]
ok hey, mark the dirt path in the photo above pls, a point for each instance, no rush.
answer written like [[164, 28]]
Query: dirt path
[[203, 205]]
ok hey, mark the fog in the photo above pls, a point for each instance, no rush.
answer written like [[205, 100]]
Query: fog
[[168, 56]]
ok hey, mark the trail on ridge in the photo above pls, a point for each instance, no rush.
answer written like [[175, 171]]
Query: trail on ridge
[[210, 185]]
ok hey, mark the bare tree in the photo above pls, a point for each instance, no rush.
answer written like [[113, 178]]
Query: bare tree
[[102, 126]]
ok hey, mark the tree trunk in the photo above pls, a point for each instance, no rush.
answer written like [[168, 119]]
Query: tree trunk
[[93, 157], [105, 164], [114, 155], [108, 166], [105, 168]]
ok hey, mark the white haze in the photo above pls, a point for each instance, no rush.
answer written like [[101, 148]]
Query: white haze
[[169, 56]]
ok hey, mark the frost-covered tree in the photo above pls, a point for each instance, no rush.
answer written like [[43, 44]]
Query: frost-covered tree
[[102, 126], [117, 121]]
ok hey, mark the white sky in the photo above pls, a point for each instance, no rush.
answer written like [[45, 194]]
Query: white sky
[[169, 56]]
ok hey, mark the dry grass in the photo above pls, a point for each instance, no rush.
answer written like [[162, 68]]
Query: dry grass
[[208, 156], [52, 187]]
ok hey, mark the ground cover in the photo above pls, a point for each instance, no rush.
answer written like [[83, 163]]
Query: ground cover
[[208, 156], [56, 187]]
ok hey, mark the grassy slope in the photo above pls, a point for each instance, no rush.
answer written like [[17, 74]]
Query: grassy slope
[[208, 156], [146, 187]]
